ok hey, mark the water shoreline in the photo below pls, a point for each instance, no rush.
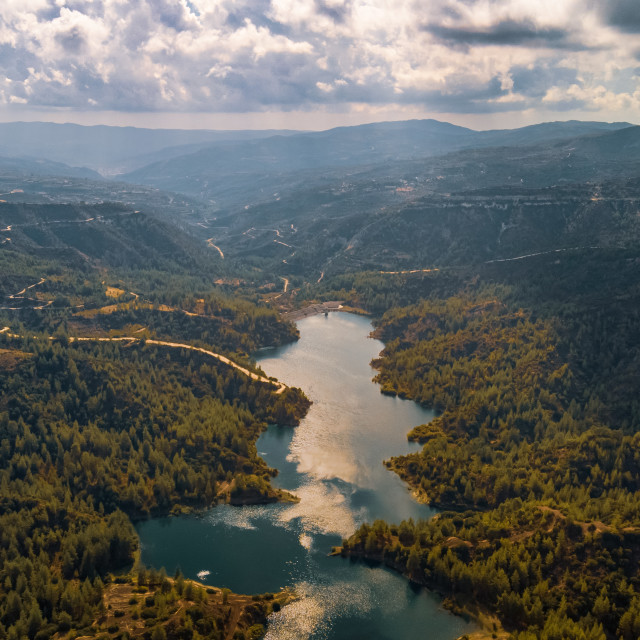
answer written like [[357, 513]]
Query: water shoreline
[[333, 461], [318, 308]]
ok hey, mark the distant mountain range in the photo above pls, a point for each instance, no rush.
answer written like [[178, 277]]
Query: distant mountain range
[[467, 206], [116, 150], [109, 150], [205, 173], [382, 196], [43, 167]]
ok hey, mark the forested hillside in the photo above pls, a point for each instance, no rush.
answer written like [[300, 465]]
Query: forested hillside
[[454, 211], [535, 448], [503, 281], [92, 432], [99, 432]]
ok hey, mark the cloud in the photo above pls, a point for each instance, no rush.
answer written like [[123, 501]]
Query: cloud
[[469, 56], [592, 97], [336, 11], [506, 33], [623, 14], [175, 15], [533, 81], [72, 40]]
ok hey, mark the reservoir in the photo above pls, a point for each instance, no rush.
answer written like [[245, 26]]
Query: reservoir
[[334, 462]]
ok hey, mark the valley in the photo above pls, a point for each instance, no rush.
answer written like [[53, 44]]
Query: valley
[[493, 460]]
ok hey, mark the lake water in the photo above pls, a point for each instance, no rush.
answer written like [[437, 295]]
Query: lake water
[[333, 462]]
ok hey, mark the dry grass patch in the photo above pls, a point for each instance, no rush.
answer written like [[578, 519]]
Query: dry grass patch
[[11, 358], [114, 292]]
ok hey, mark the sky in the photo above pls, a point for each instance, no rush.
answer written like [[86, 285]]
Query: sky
[[314, 64]]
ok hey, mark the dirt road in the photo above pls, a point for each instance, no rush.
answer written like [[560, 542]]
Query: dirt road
[[280, 386]]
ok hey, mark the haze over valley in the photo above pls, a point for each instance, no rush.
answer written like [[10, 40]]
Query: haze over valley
[[499, 268]]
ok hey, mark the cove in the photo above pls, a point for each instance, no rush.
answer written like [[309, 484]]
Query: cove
[[333, 462]]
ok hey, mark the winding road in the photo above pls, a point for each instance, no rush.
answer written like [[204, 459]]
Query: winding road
[[395, 273], [19, 296], [280, 386], [539, 253], [215, 246]]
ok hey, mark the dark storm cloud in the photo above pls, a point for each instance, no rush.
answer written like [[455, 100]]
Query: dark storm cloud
[[623, 14], [534, 81], [48, 13], [72, 41], [505, 33], [336, 13], [280, 81], [171, 14], [461, 96], [257, 13], [482, 98], [16, 68]]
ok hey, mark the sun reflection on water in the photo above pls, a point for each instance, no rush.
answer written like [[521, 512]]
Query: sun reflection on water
[[317, 606], [322, 509], [306, 541]]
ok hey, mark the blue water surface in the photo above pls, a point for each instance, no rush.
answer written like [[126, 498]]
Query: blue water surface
[[334, 462]]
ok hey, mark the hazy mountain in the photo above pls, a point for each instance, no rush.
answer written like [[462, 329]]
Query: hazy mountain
[[600, 156], [437, 230], [547, 132], [203, 172], [41, 167], [298, 205], [271, 161], [467, 206], [178, 209], [106, 149], [107, 234]]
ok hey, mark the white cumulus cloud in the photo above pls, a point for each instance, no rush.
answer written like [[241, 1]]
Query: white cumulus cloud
[[465, 56]]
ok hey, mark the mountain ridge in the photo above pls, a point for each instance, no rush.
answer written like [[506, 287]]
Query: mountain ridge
[[208, 172]]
